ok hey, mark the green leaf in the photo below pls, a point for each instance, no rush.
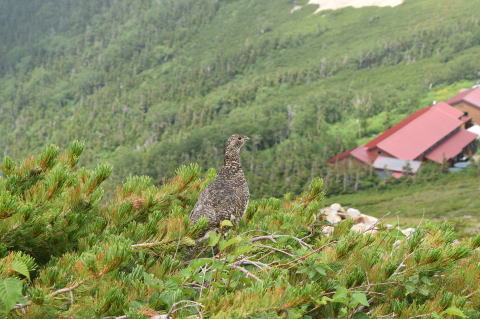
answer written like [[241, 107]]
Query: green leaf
[[226, 223], [224, 244], [424, 291], [21, 268], [214, 238], [323, 301], [10, 292], [150, 280], [340, 295], [197, 263], [295, 313], [321, 270], [242, 250], [411, 288], [360, 315], [454, 311], [360, 298], [397, 234], [187, 241]]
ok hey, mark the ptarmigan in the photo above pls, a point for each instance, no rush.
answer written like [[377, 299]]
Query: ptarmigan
[[226, 198]]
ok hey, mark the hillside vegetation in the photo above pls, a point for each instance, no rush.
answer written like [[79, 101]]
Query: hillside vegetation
[[150, 84], [65, 255]]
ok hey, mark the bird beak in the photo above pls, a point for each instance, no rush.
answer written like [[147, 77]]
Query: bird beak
[[247, 138]]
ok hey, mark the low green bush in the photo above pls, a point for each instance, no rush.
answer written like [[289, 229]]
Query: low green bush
[[65, 253]]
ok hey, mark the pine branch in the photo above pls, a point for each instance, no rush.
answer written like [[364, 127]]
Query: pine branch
[[275, 249], [155, 243], [258, 264], [307, 255], [148, 245], [470, 295], [71, 288], [189, 303], [246, 272], [273, 237], [173, 310], [64, 290]]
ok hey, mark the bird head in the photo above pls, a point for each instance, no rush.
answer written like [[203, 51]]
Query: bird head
[[232, 150], [235, 142]]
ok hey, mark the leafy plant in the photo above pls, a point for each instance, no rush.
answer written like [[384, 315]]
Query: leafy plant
[[137, 255]]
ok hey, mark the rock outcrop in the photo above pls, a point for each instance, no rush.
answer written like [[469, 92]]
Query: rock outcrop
[[363, 224]]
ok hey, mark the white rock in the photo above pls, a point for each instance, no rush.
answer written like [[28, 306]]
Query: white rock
[[336, 207], [342, 215], [364, 224], [369, 220], [359, 228], [333, 218], [364, 229], [326, 211], [328, 230], [331, 214], [354, 213], [407, 232]]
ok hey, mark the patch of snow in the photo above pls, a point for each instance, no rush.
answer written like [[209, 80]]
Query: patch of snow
[[338, 4], [295, 8]]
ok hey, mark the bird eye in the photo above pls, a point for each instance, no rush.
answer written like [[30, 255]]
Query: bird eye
[[239, 138]]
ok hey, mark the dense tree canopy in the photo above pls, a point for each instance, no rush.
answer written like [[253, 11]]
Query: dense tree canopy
[[150, 84]]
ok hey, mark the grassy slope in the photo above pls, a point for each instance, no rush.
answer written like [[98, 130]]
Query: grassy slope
[[455, 197]]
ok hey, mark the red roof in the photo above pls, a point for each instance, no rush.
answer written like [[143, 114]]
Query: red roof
[[470, 96], [373, 143], [448, 109], [362, 154], [412, 137], [340, 156], [420, 134], [452, 146], [466, 119]]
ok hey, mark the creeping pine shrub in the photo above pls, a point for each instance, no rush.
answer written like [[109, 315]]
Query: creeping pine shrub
[[67, 253]]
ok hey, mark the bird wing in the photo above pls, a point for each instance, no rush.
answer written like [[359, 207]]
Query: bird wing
[[220, 201]]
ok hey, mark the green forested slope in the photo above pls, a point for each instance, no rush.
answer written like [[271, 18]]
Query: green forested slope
[[151, 84]]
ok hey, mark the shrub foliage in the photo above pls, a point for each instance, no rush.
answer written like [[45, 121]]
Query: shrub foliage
[[65, 253]]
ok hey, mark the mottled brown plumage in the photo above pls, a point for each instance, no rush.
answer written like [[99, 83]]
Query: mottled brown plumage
[[226, 198]]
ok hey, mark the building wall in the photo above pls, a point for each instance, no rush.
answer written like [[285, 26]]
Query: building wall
[[473, 112], [350, 163]]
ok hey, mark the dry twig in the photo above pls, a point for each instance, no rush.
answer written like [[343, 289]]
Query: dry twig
[[307, 255], [273, 237], [275, 249]]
